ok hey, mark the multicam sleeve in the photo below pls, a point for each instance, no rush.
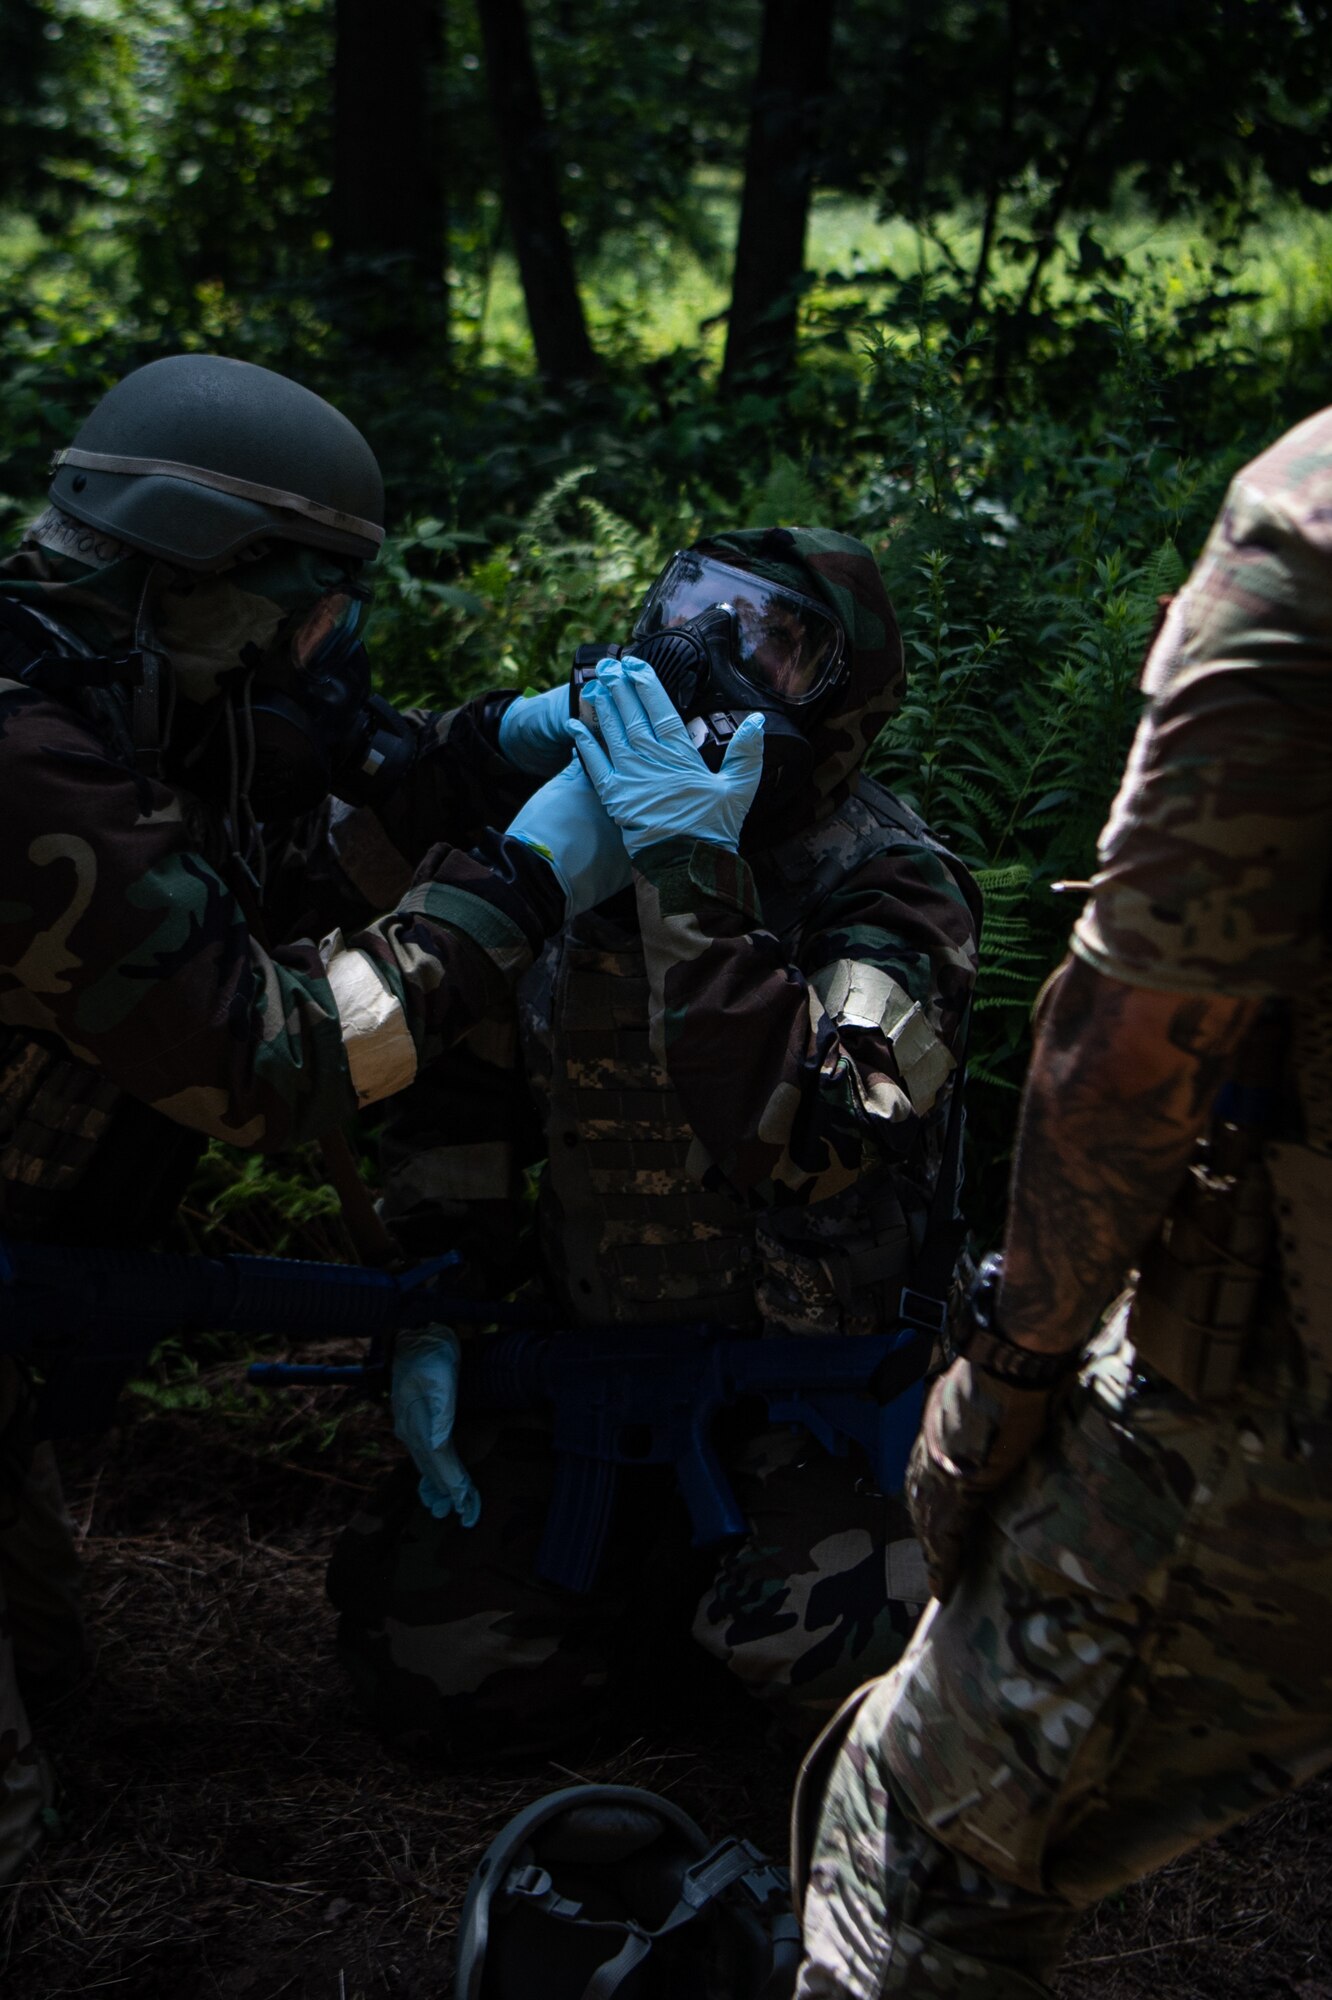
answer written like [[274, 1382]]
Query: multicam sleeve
[[117, 937], [1213, 865], [796, 1078]]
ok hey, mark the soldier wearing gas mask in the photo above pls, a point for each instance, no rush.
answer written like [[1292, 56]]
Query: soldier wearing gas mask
[[738, 1073], [192, 930]]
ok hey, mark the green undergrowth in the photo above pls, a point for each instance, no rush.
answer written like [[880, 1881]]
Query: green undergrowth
[[1027, 558], [1027, 529]]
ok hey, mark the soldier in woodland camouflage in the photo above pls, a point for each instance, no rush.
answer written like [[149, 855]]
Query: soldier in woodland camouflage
[[738, 1074], [1131, 1541], [169, 630]]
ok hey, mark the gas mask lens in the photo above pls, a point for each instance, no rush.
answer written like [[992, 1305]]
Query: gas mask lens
[[326, 631], [782, 641]]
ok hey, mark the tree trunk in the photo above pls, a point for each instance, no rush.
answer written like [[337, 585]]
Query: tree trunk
[[789, 93], [388, 207], [1014, 331], [1001, 164], [530, 182]]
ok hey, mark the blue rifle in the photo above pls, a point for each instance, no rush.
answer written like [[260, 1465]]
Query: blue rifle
[[619, 1395], [624, 1396], [90, 1316]]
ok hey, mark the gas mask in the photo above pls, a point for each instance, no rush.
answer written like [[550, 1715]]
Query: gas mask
[[724, 642], [275, 709], [317, 728]]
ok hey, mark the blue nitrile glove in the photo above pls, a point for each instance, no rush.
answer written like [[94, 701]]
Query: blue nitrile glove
[[566, 822], [648, 775], [425, 1401], [534, 732]]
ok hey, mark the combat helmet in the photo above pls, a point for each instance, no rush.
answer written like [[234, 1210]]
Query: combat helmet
[[194, 458], [611, 1891]]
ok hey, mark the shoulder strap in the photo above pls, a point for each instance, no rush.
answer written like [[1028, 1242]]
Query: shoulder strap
[[893, 812], [796, 876], [23, 636], [39, 653], [40, 656]]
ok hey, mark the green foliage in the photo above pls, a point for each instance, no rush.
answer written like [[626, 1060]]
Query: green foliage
[[262, 1206], [574, 572], [1098, 282]]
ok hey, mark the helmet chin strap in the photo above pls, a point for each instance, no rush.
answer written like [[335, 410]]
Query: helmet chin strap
[[149, 728], [152, 712]]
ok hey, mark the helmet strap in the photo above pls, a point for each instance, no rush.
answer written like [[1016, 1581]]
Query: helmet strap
[[148, 728]]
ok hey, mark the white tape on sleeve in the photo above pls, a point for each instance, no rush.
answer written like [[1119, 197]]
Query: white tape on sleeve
[[381, 1055]]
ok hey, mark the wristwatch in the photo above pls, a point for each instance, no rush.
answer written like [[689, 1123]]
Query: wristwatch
[[981, 1339]]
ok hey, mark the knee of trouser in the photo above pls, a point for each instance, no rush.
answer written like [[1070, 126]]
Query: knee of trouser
[[474, 1693], [888, 1907], [906, 1930], [452, 1651], [818, 1599]]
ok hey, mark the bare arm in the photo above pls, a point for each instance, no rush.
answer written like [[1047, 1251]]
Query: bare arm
[[1119, 1087]]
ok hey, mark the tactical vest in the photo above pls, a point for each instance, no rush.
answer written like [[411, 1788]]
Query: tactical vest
[[632, 1226]]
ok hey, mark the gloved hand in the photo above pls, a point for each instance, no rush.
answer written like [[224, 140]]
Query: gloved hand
[[649, 776], [566, 823], [975, 1433], [425, 1401], [534, 732], [983, 1418]]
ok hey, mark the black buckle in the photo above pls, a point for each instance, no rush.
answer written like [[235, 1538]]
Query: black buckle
[[923, 1310]]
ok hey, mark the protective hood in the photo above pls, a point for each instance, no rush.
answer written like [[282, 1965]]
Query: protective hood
[[842, 572]]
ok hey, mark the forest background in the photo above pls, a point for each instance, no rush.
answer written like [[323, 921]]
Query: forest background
[[1009, 288]]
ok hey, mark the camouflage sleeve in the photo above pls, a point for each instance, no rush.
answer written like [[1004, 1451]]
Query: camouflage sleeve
[[1213, 866], [343, 864], [797, 1078], [117, 937]]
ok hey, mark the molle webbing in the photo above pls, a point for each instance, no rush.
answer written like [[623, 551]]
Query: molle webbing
[[626, 1228]]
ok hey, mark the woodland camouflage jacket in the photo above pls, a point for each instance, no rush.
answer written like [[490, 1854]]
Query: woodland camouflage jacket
[[774, 1029], [129, 940]]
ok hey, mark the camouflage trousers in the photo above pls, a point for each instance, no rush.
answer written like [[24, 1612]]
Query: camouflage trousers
[[1139, 1655], [41, 1626], [459, 1648]]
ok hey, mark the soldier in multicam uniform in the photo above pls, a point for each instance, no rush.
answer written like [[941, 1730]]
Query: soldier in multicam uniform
[[178, 681], [1131, 1541], [740, 1073]]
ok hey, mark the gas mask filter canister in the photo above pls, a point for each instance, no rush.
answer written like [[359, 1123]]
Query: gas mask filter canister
[[724, 642]]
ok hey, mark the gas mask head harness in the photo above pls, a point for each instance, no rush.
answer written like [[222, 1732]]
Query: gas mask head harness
[[725, 641], [314, 723]]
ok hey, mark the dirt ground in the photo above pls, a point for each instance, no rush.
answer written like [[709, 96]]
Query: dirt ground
[[228, 1828]]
